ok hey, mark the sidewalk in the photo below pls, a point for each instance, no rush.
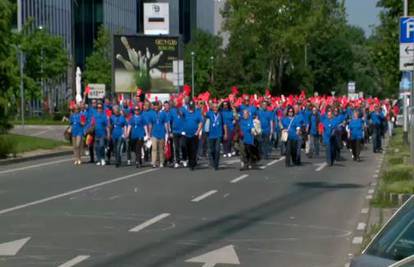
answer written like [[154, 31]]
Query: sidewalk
[[54, 132], [38, 154]]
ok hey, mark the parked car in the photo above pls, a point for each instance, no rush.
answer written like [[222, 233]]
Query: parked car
[[393, 245]]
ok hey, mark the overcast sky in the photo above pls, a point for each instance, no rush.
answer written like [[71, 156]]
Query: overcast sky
[[362, 13]]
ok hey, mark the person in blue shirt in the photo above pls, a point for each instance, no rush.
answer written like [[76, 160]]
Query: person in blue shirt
[[118, 127], [177, 129], [159, 134], [193, 123], [148, 114], [217, 131], [314, 137], [101, 133], [356, 135], [228, 120], [247, 145], [76, 126], [292, 125], [266, 123], [329, 139], [377, 118], [246, 106], [91, 111], [137, 130]]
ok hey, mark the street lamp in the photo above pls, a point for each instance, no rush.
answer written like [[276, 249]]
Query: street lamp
[[192, 73], [19, 28], [40, 28]]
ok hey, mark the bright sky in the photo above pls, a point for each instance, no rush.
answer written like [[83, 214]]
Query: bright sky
[[362, 13]]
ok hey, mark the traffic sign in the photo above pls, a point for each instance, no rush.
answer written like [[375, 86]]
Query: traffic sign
[[351, 87], [407, 30], [407, 56]]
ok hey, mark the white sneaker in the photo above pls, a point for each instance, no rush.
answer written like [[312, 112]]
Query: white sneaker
[[225, 156], [87, 153], [161, 165], [229, 155], [185, 164], [129, 163], [234, 153], [103, 163], [242, 164], [176, 165], [98, 164]]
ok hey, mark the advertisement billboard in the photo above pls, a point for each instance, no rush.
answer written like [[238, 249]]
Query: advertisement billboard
[[145, 62]]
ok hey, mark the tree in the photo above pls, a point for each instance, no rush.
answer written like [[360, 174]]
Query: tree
[[98, 64], [7, 76], [205, 46]]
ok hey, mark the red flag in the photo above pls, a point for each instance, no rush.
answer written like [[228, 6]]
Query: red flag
[[139, 92], [72, 104], [83, 119], [87, 89], [187, 90], [108, 113], [267, 93], [234, 90]]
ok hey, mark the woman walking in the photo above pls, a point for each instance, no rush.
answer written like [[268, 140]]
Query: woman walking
[[356, 135], [77, 122], [137, 130]]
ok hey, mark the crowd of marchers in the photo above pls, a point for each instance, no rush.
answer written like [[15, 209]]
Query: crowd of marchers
[[179, 132]]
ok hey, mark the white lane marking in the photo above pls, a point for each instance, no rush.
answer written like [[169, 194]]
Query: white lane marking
[[377, 171], [13, 247], [43, 200], [244, 176], [114, 197], [369, 197], [374, 184], [361, 226], [375, 176], [365, 210], [321, 166], [35, 166], [74, 261], [357, 240], [224, 255], [262, 167], [275, 161], [347, 264], [149, 222], [205, 195], [371, 191]]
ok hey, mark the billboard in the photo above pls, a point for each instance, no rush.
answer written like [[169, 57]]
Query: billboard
[[97, 91], [145, 62], [156, 18]]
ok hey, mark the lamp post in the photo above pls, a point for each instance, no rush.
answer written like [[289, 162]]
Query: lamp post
[[192, 73], [40, 28], [19, 29]]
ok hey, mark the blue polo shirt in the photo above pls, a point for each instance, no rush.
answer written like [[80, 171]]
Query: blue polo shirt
[[265, 118], [329, 126], [252, 110], [246, 127], [75, 123], [228, 118], [314, 119], [191, 122], [376, 118], [158, 121], [117, 123], [216, 125], [356, 127], [177, 120], [137, 123], [294, 123], [101, 122]]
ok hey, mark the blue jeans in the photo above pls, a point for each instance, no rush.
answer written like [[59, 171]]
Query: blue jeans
[[100, 148], [299, 149], [265, 146], [118, 149], [376, 138], [214, 152], [314, 144], [330, 152]]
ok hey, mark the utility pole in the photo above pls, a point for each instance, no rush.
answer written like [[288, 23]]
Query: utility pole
[[19, 28], [192, 74]]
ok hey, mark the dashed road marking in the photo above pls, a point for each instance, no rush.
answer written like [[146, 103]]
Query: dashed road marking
[[365, 210], [275, 161], [149, 222], [357, 240], [321, 166], [74, 261], [238, 179], [369, 197], [361, 226], [371, 191], [375, 176], [86, 188], [203, 196]]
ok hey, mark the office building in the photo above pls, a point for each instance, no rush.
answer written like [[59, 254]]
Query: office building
[[210, 19]]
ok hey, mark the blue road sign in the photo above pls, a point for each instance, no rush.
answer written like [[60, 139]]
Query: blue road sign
[[407, 30]]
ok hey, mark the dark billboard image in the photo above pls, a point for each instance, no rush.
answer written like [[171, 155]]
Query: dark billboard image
[[144, 62]]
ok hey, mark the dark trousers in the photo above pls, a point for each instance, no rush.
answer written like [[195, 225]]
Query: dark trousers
[[331, 152], [227, 144], [291, 150], [136, 146], [356, 148], [100, 148], [249, 154], [265, 145], [192, 146], [376, 138], [118, 145], [214, 152], [180, 152], [91, 148]]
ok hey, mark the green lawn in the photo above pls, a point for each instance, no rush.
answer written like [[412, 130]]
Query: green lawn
[[14, 144]]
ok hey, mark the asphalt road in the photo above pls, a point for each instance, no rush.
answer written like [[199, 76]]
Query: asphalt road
[[61, 215]]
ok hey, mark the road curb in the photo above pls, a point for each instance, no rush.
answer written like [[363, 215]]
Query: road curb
[[35, 157]]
